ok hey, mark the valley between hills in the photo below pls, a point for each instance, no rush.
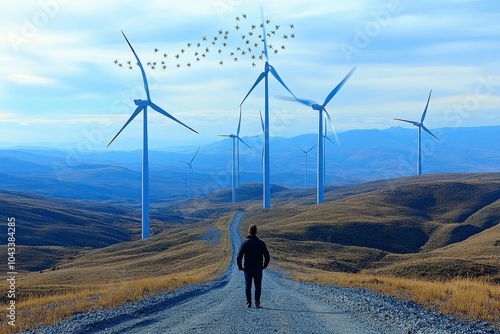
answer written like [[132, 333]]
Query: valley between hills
[[432, 228]]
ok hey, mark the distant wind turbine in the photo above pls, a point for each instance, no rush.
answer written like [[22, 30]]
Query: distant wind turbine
[[190, 170], [321, 108], [420, 125], [325, 138], [306, 152], [235, 139], [142, 105], [265, 75]]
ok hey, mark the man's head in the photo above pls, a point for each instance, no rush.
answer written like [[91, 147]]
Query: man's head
[[252, 229]]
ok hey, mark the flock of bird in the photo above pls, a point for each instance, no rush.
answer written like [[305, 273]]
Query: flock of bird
[[242, 43]]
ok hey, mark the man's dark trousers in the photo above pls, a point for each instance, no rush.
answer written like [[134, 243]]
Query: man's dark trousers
[[257, 278]]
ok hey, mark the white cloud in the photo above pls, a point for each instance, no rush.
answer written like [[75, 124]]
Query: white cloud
[[29, 79]]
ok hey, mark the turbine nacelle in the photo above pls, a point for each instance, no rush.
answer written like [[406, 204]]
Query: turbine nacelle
[[142, 103], [317, 107]]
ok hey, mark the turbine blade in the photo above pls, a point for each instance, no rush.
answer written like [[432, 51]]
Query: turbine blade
[[261, 76], [136, 112], [261, 122], [339, 86], [311, 148], [239, 124], [163, 112], [276, 75], [331, 141], [194, 155], [228, 136], [425, 110], [264, 31], [429, 132], [306, 102], [407, 121], [241, 140], [146, 87], [300, 148], [333, 127]]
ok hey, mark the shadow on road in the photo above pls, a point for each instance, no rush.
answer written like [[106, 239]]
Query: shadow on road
[[300, 311]]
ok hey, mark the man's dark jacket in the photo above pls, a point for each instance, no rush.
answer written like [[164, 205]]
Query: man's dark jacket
[[256, 255]]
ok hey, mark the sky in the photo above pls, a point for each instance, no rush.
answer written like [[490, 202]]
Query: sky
[[60, 85]]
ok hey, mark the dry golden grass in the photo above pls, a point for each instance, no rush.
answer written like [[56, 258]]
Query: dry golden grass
[[106, 282], [469, 299]]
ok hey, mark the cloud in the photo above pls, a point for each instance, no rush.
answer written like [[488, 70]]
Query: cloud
[[30, 79]]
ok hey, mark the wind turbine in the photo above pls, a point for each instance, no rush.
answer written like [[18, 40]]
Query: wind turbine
[[420, 125], [306, 152], [321, 108], [142, 105], [265, 75], [235, 139], [190, 169]]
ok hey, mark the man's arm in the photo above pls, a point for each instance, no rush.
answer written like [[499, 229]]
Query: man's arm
[[266, 256], [240, 256]]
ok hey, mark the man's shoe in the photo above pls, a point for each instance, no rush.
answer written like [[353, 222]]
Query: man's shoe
[[257, 305], [249, 304]]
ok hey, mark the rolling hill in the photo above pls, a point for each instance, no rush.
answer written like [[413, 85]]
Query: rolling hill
[[406, 226], [411, 227], [50, 229]]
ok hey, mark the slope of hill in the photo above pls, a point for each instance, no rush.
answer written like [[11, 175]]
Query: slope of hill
[[381, 226], [406, 227], [50, 229]]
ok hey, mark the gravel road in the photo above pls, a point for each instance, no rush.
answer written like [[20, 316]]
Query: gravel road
[[287, 307]]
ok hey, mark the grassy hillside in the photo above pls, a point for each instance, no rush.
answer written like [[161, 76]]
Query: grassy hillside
[[410, 227], [50, 229]]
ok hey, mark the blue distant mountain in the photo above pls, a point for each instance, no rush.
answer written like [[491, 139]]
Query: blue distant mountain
[[361, 155]]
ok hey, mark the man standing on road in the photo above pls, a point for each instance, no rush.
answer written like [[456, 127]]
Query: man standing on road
[[257, 258]]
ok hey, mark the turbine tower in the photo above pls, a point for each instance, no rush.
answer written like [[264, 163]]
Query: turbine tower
[[235, 139], [325, 138], [306, 152], [321, 108], [142, 105], [420, 125], [265, 75], [238, 152], [190, 169]]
